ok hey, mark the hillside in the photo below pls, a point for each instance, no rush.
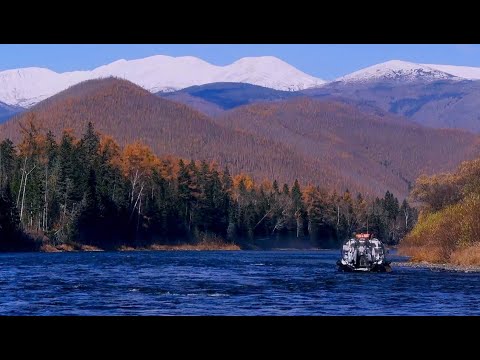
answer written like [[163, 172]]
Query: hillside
[[129, 113], [437, 104], [418, 96], [318, 142], [212, 99], [373, 150]]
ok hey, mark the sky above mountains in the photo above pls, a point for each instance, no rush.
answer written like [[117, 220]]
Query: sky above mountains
[[326, 61]]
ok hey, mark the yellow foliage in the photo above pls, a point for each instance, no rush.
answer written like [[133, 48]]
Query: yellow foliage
[[439, 235], [138, 159], [111, 149], [466, 256], [436, 192], [169, 167], [266, 185], [247, 180], [431, 254], [311, 194]]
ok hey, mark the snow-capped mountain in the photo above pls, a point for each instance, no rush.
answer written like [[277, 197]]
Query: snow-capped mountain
[[26, 87], [465, 72], [399, 71]]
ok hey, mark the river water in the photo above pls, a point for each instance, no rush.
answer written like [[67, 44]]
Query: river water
[[224, 283]]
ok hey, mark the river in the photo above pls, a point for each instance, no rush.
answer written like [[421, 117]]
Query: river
[[223, 283]]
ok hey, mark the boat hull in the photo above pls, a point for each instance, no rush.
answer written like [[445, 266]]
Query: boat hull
[[363, 254], [385, 267]]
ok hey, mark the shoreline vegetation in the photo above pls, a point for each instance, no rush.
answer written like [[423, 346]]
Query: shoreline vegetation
[[448, 227], [467, 256], [201, 246], [89, 192]]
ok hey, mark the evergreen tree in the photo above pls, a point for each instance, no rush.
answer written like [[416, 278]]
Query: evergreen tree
[[297, 195], [90, 146], [298, 208], [88, 217], [275, 187], [7, 162], [9, 220]]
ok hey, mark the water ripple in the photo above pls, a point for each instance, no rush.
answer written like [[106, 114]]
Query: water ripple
[[223, 283]]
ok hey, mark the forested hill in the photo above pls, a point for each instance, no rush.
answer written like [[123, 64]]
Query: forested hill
[[324, 143], [58, 192], [370, 150], [129, 113]]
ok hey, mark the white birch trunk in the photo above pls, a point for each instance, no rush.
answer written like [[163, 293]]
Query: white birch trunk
[[21, 181], [45, 206], [23, 195]]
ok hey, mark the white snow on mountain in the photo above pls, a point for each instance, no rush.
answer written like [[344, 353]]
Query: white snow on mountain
[[465, 72], [260, 70], [399, 71], [27, 86]]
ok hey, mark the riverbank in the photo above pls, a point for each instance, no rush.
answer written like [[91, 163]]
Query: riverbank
[[67, 248], [202, 246], [465, 256], [197, 247], [442, 267]]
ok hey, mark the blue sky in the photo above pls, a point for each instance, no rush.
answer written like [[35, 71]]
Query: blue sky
[[324, 61]]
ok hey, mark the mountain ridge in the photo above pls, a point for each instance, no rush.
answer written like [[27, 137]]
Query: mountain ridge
[[318, 142], [28, 86], [397, 71], [161, 73]]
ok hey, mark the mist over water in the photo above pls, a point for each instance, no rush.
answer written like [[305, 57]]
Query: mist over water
[[223, 283]]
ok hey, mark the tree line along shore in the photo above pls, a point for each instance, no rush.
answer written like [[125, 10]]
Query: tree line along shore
[[91, 193]]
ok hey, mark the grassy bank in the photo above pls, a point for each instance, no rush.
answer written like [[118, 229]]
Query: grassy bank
[[68, 247], [205, 244], [199, 247], [465, 256], [447, 236], [448, 228]]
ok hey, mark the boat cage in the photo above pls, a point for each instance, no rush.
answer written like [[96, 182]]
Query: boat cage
[[362, 251]]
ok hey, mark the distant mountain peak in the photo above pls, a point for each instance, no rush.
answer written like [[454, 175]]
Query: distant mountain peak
[[259, 59], [27, 86], [398, 71]]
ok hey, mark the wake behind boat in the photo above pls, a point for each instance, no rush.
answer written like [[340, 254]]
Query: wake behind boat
[[363, 254]]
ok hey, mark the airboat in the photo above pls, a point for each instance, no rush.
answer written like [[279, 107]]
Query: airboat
[[363, 253]]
